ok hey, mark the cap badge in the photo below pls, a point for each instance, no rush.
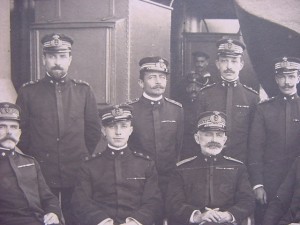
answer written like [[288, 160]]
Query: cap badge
[[117, 112], [161, 64], [56, 40], [285, 63], [215, 118], [8, 110]]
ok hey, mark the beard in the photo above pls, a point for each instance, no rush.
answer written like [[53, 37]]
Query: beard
[[57, 72]]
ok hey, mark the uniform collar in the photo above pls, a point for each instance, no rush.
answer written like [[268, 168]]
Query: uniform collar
[[288, 97], [55, 81], [151, 101], [212, 158], [151, 98], [5, 152], [226, 83], [113, 153]]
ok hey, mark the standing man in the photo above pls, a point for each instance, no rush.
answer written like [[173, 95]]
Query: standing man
[[118, 186], [25, 197], [274, 135], [59, 120], [157, 120], [209, 188], [228, 95]]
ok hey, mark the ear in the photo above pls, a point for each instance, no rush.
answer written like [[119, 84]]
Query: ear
[[217, 64], [196, 136], [44, 60], [103, 131], [131, 129], [242, 64], [141, 83], [70, 59]]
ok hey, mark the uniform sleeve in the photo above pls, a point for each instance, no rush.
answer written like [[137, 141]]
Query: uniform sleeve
[[24, 123], [49, 201], [244, 197], [176, 206], [151, 204], [280, 206], [256, 145], [92, 130], [84, 207]]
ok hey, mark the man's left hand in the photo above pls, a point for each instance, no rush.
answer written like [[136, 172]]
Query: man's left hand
[[224, 217], [51, 218]]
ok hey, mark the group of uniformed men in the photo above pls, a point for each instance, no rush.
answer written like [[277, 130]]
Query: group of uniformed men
[[162, 161]]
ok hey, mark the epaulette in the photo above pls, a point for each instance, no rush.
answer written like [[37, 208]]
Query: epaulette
[[267, 100], [185, 161], [207, 86], [80, 82], [174, 102], [250, 89], [30, 82], [93, 156], [132, 101], [232, 159], [139, 154]]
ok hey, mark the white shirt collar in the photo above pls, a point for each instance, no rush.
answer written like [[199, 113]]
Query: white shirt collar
[[115, 148], [151, 98]]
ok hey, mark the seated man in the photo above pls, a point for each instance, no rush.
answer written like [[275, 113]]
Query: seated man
[[25, 197], [209, 188], [118, 186], [284, 209]]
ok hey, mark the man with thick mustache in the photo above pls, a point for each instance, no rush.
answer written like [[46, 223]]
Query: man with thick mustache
[[209, 188], [25, 197], [228, 95], [59, 120], [157, 120], [274, 136]]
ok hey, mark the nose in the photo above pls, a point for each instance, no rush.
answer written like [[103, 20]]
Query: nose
[[117, 130], [229, 65]]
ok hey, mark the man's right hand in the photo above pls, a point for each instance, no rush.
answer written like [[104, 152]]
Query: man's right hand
[[260, 195]]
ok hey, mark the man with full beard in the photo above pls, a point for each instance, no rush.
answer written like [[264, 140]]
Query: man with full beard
[[209, 188], [25, 197], [59, 120]]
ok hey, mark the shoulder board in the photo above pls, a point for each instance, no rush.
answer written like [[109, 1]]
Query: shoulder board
[[132, 101], [250, 89], [30, 83], [142, 155], [267, 100], [80, 82], [93, 156], [232, 159], [174, 102], [185, 161], [208, 86]]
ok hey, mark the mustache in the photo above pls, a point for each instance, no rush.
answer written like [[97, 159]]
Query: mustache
[[213, 144], [158, 86], [228, 71], [288, 86], [56, 68], [6, 138]]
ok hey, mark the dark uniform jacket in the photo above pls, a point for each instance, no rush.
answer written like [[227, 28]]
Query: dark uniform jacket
[[214, 182], [285, 208], [59, 123], [274, 141], [25, 196], [158, 131], [239, 113], [117, 185]]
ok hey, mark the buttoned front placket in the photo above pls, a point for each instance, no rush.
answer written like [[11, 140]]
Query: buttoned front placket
[[157, 125]]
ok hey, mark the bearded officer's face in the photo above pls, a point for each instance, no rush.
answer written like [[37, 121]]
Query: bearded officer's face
[[154, 83], [9, 133], [211, 142], [287, 83], [57, 64]]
